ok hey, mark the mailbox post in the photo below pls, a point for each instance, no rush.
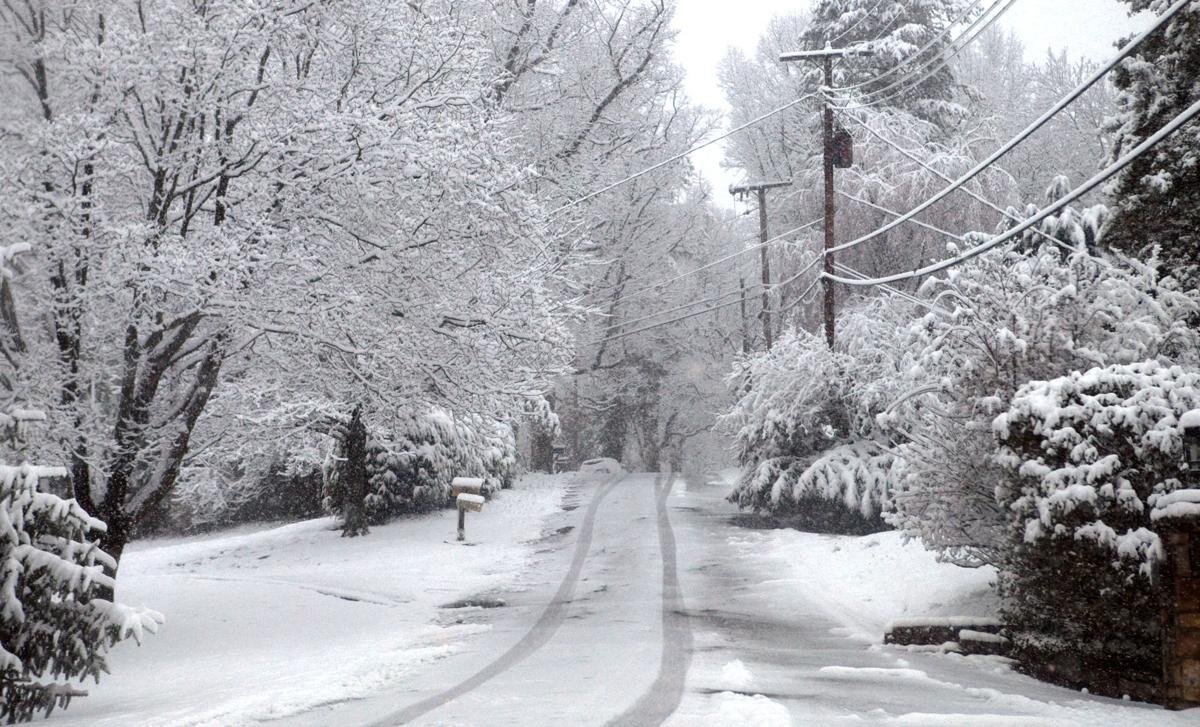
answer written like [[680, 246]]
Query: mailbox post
[[468, 495]]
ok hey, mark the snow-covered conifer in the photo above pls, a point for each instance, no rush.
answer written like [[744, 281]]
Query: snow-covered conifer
[[54, 628], [1154, 198]]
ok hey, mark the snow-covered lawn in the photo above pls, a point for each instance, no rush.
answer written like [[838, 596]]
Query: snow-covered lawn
[[867, 582], [270, 621]]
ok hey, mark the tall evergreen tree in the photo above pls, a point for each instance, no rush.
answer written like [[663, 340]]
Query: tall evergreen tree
[[1155, 197], [896, 31]]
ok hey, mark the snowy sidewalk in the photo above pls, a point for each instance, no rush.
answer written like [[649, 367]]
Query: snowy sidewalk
[[788, 629]]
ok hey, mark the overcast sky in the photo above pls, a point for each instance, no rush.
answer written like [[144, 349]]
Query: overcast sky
[[707, 27]]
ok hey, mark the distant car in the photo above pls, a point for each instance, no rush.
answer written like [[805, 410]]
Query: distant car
[[601, 465]]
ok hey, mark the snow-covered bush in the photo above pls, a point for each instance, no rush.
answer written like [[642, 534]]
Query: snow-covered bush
[[268, 488], [805, 418], [1086, 456], [410, 465], [1078, 230], [1002, 320], [52, 626]]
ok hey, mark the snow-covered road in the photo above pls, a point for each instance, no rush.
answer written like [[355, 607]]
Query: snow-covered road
[[669, 613], [586, 600], [586, 647]]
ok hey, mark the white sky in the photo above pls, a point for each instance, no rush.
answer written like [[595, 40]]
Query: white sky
[[707, 27]]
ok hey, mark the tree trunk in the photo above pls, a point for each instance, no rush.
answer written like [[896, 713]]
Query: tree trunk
[[113, 543], [613, 432], [541, 445], [354, 478], [541, 450]]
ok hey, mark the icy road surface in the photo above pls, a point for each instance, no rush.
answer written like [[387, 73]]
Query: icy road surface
[[658, 610]]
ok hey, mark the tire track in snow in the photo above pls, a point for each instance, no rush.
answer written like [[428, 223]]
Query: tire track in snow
[[664, 695], [537, 636], [374, 598]]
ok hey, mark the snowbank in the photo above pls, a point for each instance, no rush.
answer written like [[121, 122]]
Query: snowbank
[[868, 582]]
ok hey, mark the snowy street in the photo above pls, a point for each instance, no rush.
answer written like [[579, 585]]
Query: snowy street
[[758, 646], [769, 627]]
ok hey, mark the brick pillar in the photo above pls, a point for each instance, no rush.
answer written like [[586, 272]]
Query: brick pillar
[[1177, 520]]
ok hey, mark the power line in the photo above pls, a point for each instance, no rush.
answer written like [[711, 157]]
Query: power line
[[714, 308], [1183, 118], [894, 213], [972, 193], [625, 334], [718, 261], [1028, 131], [682, 154], [687, 305], [895, 291]]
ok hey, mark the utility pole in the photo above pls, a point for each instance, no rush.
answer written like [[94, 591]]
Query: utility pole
[[741, 190], [830, 159], [745, 332]]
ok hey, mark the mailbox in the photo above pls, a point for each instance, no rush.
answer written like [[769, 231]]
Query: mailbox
[[474, 503], [467, 485], [468, 495]]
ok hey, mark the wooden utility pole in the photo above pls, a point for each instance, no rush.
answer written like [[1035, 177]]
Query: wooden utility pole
[[745, 332], [741, 190], [828, 155]]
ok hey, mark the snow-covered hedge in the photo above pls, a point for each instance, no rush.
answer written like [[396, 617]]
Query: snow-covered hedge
[[52, 627], [410, 467], [1087, 456]]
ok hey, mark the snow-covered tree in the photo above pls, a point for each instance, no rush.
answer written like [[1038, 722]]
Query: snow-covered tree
[[410, 465], [1002, 320], [805, 418], [1085, 457], [1154, 198], [246, 217], [55, 624], [1008, 91], [895, 31], [54, 627], [600, 99]]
